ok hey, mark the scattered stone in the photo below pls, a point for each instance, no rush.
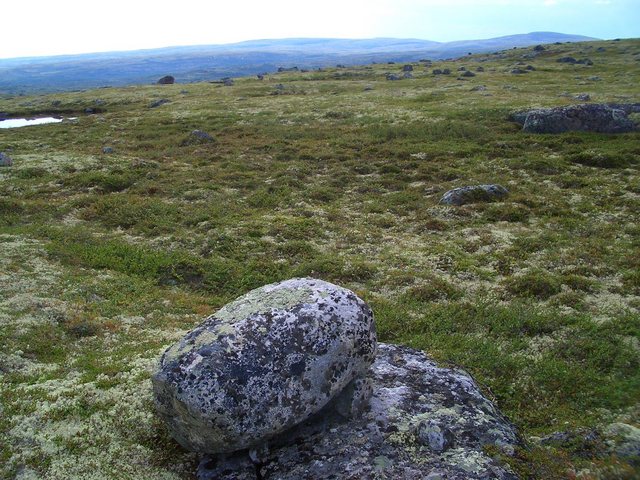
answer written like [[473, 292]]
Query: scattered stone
[[265, 363], [566, 60], [5, 160], [478, 88], [584, 61], [368, 88], [468, 73], [519, 71], [437, 71], [539, 48], [424, 422], [584, 97], [531, 68], [474, 194], [260, 76], [107, 150], [197, 137], [601, 49], [446, 71], [89, 111], [167, 80], [393, 77], [407, 75], [600, 118], [290, 69], [462, 69], [227, 82], [407, 68], [157, 103], [594, 78], [480, 69]]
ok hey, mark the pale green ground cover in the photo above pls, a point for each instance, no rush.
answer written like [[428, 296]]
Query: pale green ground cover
[[107, 259]]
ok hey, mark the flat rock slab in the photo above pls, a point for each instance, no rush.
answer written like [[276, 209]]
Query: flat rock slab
[[423, 422], [600, 118]]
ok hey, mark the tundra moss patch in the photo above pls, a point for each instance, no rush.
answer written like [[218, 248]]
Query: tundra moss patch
[[107, 259]]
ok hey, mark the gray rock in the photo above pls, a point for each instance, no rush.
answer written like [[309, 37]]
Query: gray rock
[[393, 77], [167, 80], [197, 137], [107, 150], [567, 60], [424, 422], [480, 69], [446, 71], [539, 48], [478, 88], [437, 71], [227, 82], [474, 194], [518, 71], [468, 73], [583, 97], [623, 440], [407, 68], [601, 118], [265, 363], [159, 102], [5, 160]]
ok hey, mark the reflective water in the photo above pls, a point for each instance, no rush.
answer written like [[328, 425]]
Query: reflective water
[[25, 122]]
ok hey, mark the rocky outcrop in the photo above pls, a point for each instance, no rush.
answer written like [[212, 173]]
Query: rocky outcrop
[[474, 194], [265, 363], [423, 422], [601, 118], [167, 80]]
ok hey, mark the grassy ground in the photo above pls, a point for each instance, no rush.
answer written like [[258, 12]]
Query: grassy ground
[[106, 259]]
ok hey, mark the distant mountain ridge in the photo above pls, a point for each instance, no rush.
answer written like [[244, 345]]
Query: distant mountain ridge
[[212, 62]]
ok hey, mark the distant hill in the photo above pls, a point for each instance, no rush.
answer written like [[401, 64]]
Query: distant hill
[[213, 62]]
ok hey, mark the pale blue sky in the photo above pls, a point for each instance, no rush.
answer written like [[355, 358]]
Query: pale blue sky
[[47, 27]]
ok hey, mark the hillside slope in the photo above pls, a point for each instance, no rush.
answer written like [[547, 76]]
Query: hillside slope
[[212, 62]]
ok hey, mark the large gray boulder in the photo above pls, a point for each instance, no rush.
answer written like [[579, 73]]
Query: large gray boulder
[[601, 118], [265, 363], [474, 194], [424, 422]]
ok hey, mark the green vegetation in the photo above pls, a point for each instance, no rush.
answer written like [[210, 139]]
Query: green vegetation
[[106, 259]]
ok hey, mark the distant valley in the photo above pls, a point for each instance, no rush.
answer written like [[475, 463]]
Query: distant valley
[[214, 62]]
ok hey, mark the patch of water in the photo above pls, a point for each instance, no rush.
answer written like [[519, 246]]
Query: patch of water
[[25, 122]]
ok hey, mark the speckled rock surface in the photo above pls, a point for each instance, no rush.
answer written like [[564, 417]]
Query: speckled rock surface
[[474, 194], [424, 422], [601, 118], [264, 363], [5, 160]]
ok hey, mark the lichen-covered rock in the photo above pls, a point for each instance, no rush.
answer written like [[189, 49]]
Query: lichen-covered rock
[[198, 137], [424, 422], [264, 363], [5, 160], [167, 80], [601, 118], [474, 194]]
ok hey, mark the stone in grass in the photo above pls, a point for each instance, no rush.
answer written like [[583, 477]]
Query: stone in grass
[[198, 137], [167, 80], [601, 118], [423, 422], [5, 160], [474, 194], [159, 102], [107, 150], [264, 363]]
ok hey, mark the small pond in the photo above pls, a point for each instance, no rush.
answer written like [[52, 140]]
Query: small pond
[[25, 122]]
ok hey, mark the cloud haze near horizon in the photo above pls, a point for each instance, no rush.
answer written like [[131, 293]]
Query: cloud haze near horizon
[[43, 27]]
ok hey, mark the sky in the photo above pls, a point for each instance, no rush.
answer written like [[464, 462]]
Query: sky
[[55, 27]]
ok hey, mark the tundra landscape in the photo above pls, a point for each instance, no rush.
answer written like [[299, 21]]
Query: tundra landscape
[[149, 207]]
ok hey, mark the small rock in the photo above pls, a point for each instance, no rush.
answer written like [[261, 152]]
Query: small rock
[[462, 69], [480, 69], [585, 97], [474, 194], [436, 71], [539, 48], [197, 137], [157, 103], [584, 61], [5, 160], [227, 82], [468, 73], [407, 68], [624, 441], [166, 80], [518, 71], [393, 77], [107, 150], [265, 363], [446, 71], [478, 88], [531, 68], [566, 60]]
